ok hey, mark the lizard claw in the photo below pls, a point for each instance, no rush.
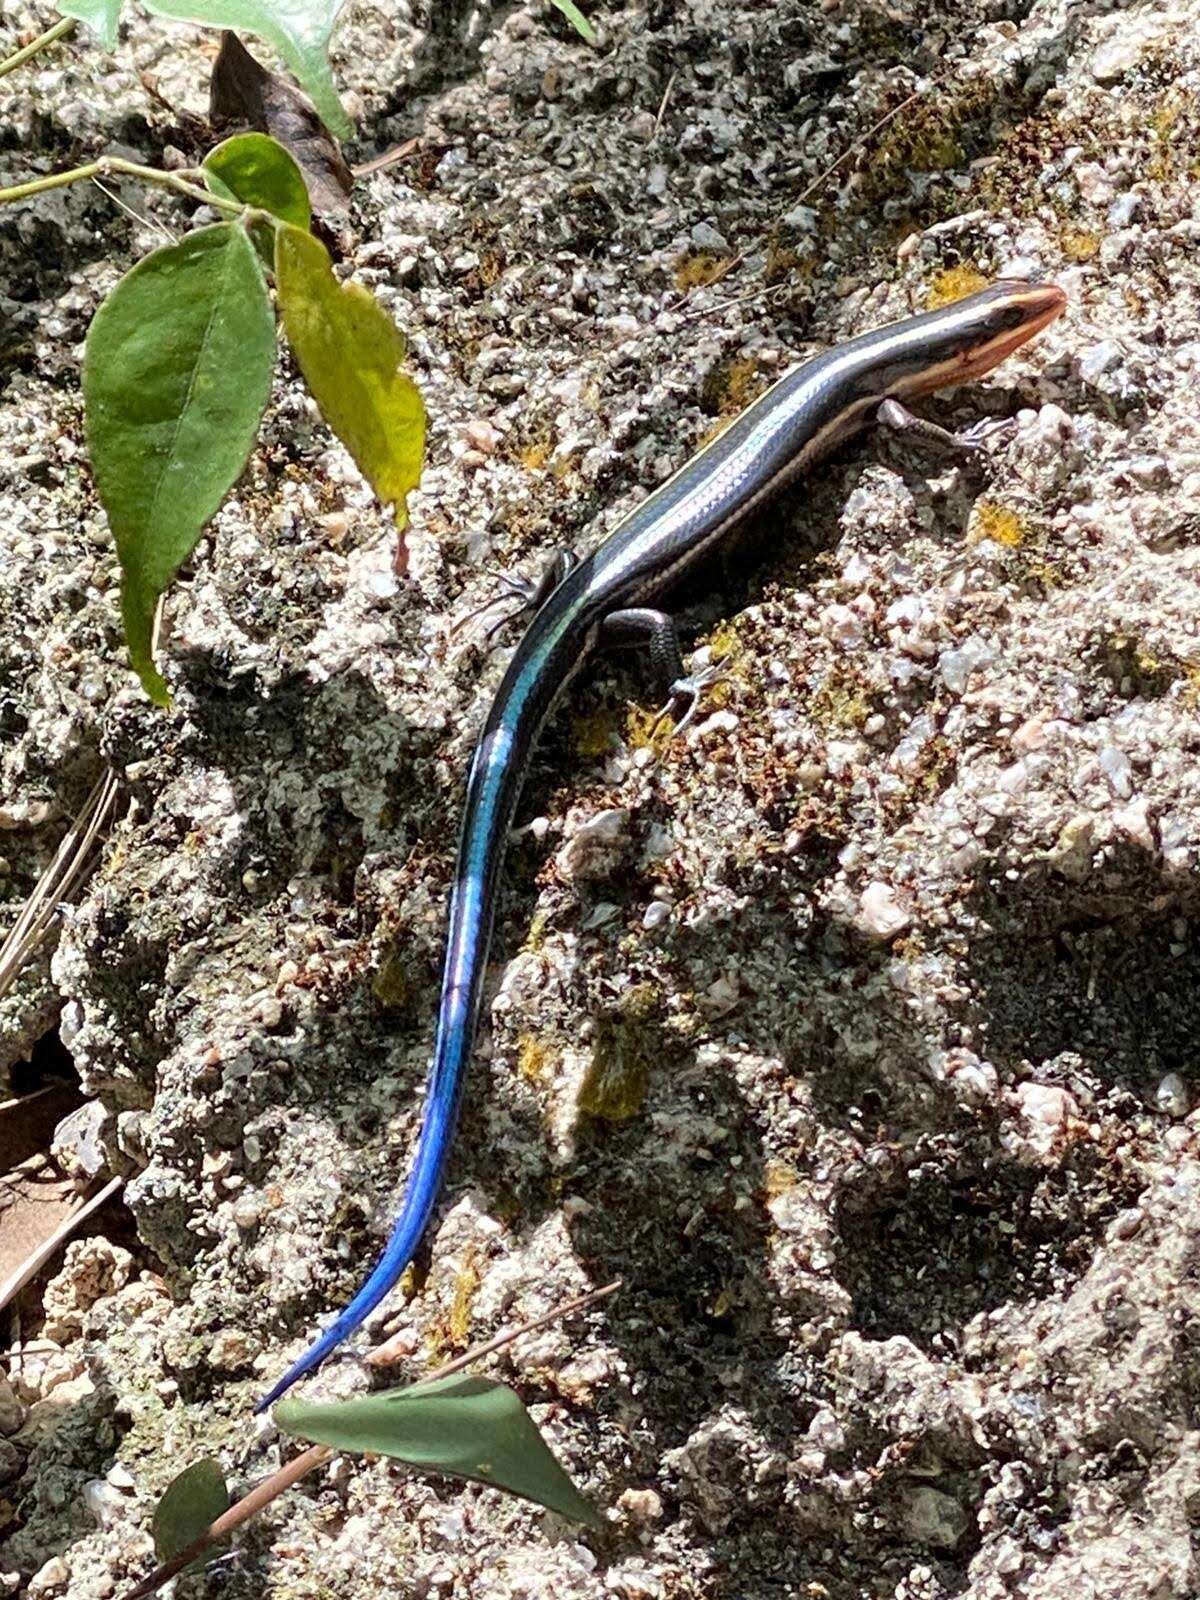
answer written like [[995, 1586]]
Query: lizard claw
[[684, 698]]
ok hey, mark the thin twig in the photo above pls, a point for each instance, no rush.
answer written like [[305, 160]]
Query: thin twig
[[43, 40], [60, 878], [852, 149], [387, 1353], [856, 145], [389, 158], [318, 1454], [35, 1347], [37, 1259], [105, 166], [662, 105], [22, 1102], [734, 300], [138, 216]]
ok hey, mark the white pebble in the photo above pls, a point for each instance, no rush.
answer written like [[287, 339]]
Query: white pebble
[[880, 913], [1171, 1096], [1043, 1103]]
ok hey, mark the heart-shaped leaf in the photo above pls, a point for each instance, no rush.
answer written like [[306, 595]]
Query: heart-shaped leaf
[[176, 375], [462, 1426], [298, 29], [101, 17], [190, 1503], [351, 354], [258, 171]]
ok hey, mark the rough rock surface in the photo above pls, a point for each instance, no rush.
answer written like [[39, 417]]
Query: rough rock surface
[[880, 985]]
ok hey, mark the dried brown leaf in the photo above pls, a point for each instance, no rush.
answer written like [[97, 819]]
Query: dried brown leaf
[[242, 91]]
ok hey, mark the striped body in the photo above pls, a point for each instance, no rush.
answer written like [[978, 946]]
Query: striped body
[[805, 415]]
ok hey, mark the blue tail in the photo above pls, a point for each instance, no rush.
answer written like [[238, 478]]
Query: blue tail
[[491, 796], [437, 1130]]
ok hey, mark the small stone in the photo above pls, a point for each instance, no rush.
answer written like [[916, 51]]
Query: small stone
[[12, 1412], [1127, 1224], [956, 666], [933, 1518], [92, 1268], [76, 1143], [505, 385], [233, 1349], [12, 1461], [641, 1507], [1172, 1097], [1117, 57], [52, 1578], [1045, 1104], [1095, 361], [597, 846], [1115, 766], [826, 1432], [104, 1503], [706, 237], [482, 435], [1074, 848], [881, 915], [1134, 822]]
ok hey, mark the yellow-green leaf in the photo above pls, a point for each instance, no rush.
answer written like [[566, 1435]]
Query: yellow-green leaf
[[258, 171], [351, 354]]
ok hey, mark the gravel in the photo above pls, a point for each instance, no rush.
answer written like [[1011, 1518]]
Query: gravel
[[889, 963]]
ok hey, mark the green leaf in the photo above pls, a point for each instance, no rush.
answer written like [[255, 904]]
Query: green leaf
[[576, 18], [350, 352], [258, 171], [176, 375], [298, 29], [99, 15], [190, 1503], [464, 1427]]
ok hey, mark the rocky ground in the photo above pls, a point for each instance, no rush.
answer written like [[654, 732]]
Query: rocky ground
[[856, 1028]]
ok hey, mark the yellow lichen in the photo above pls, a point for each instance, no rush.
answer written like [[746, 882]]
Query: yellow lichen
[[723, 642], [954, 283], [1079, 244], [778, 1178], [742, 384], [533, 1058], [696, 268], [536, 937], [998, 523], [593, 734], [390, 984], [449, 1334], [1134, 669], [646, 729], [842, 701], [534, 455], [724, 1303]]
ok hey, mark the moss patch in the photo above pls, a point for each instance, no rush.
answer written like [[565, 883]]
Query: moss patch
[[628, 1040]]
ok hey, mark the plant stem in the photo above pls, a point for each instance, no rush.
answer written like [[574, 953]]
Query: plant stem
[[318, 1454], [107, 166], [58, 31]]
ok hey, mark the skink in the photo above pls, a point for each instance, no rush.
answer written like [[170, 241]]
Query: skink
[[805, 415]]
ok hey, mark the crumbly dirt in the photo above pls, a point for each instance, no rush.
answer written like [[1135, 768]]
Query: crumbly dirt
[[856, 1029]]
